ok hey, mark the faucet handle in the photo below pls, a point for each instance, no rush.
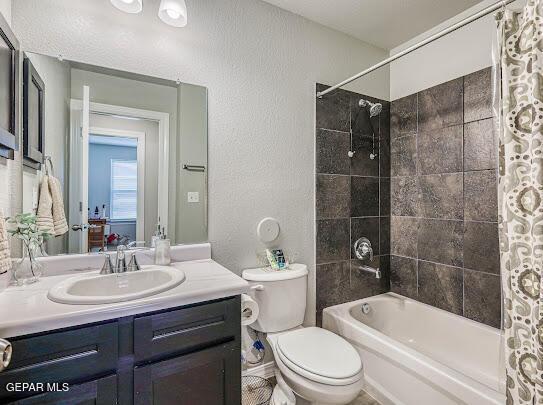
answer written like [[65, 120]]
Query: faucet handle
[[107, 268], [133, 265], [363, 249]]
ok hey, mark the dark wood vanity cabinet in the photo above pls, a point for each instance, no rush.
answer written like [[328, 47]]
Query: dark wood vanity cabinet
[[183, 356]]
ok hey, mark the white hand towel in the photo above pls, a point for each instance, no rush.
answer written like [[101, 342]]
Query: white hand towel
[[44, 218], [59, 216], [5, 255]]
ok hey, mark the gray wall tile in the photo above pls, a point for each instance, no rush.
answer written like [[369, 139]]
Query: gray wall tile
[[403, 276], [480, 145], [441, 106], [403, 156], [440, 150], [350, 189], [481, 247], [481, 196], [441, 286], [333, 110], [361, 164], [384, 197], [332, 284], [364, 196], [405, 195], [384, 235], [331, 150], [404, 236], [444, 196], [333, 240], [333, 196], [441, 241], [478, 95], [441, 196], [482, 297], [403, 116]]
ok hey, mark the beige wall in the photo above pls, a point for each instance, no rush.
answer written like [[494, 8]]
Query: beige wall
[[464, 51]]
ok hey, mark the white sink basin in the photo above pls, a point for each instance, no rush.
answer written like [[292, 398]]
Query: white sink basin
[[104, 289]]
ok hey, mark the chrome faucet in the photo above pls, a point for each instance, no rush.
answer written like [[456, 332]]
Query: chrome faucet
[[120, 263]]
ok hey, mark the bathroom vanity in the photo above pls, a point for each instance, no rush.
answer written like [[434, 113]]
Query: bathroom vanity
[[181, 346]]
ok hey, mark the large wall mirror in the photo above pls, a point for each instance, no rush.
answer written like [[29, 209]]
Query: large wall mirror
[[129, 152]]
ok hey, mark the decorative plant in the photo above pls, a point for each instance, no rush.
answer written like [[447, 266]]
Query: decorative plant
[[24, 227]]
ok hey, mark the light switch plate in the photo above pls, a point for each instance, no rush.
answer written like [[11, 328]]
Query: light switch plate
[[193, 197]]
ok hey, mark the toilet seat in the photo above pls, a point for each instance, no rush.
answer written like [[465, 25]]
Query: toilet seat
[[320, 356]]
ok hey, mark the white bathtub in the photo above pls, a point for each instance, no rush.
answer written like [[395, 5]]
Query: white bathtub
[[415, 354]]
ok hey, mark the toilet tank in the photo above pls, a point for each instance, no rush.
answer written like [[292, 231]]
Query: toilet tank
[[281, 297]]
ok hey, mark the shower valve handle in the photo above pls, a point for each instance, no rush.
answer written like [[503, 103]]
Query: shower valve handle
[[363, 249]]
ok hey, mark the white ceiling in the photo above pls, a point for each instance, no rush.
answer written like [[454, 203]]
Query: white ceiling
[[384, 23]]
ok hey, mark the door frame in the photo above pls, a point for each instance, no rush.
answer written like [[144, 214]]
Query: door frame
[[140, 137], [163, 120]]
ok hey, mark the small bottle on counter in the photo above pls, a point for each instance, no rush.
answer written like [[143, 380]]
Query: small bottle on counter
[[162, 252]]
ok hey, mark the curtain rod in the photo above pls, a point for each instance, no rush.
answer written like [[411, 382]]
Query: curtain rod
[[432, 38]]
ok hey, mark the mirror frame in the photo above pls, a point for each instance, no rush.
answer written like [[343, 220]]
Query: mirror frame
[[33, 155], [9, 137]]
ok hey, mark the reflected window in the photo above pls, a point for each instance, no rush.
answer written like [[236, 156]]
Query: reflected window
[[124, 189]]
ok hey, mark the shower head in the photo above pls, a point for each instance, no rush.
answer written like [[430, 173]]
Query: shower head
[[374, 108]]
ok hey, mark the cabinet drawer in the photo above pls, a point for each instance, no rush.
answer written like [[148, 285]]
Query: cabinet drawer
[[186, 329], [64, 356]]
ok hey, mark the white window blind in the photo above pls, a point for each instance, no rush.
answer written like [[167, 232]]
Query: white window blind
[[124, 189]]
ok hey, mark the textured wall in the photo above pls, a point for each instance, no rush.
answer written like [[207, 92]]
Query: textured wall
[[260, 64], [352, 197], [444, 232]]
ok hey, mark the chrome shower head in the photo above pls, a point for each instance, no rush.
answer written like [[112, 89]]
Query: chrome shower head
[[374, 108]]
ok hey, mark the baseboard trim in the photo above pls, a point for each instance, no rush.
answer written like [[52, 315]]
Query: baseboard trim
[[265, 370]]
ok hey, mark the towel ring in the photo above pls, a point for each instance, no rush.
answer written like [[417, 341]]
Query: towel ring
[[47, 159]]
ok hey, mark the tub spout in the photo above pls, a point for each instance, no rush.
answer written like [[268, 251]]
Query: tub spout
[[369, 269]]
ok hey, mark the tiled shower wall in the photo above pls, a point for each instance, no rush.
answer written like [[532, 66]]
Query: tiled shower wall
[[444, 233], [352, 197]]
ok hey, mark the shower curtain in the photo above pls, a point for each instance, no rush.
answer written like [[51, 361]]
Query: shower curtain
[[520, 196]]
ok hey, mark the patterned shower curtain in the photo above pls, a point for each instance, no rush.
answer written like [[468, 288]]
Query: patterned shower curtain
[[520, 196]]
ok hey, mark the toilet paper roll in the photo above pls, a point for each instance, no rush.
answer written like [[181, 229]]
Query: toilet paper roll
[[249, 310]]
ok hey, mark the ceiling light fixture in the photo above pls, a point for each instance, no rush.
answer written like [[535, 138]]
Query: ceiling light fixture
[[173, 12], [128, 6]]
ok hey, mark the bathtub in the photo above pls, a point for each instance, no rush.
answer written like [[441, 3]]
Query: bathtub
[[415, 354]]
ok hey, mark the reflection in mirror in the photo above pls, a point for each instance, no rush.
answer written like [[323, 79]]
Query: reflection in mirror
[[130, 155]]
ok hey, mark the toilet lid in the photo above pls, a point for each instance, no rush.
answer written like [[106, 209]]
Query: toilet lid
[[316, 352]]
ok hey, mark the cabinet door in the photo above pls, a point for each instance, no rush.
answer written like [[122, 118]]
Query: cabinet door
[[99, 392], [210, 377]]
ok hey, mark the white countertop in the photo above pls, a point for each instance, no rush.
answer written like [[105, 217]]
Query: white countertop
[[25, 310]]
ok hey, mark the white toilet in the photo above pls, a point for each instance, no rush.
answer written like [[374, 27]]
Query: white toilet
[[319, 366]]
